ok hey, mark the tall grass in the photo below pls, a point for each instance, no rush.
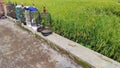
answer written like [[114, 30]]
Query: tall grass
[[92, 23]]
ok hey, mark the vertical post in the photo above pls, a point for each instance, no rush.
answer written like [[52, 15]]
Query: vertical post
[[30, 17], [5, 9]]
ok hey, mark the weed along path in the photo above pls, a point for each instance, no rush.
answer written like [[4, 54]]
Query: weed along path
[[20, 49]]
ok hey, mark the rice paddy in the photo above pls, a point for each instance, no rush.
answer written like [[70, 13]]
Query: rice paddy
[[92, 23]]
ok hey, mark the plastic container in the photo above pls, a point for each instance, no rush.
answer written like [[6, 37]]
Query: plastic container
[[46, 31]]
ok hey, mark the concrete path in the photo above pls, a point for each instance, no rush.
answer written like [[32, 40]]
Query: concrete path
[[20, 49]]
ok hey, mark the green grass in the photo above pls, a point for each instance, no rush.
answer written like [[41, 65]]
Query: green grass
[[92, 23]]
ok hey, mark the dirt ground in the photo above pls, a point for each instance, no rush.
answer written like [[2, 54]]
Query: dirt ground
[[20, 49]]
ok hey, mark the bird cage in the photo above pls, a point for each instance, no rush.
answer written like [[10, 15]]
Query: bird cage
[[18, 12], [11, 10], [22, 15], [46, 18], [1, 9], [46, 22], [33, 16]]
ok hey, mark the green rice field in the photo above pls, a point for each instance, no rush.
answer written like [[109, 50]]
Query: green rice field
[[94, 24]]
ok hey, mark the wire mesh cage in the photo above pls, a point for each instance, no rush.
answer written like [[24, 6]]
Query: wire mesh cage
[[18, 12], [22, 15], [46, 18], [11, 10], [32, 15], [35, 18], [46, 21]]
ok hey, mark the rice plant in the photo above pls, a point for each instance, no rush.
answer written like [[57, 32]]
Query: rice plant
[[92, 23]]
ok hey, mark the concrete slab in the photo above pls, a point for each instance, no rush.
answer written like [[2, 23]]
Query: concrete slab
[[20, 49]]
